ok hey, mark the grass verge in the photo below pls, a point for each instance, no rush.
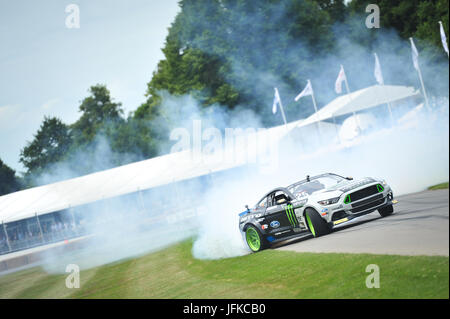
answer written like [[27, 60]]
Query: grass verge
[[439, 186], [174, 273]]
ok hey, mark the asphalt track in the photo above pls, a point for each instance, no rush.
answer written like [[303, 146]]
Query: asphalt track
[[418, 226]]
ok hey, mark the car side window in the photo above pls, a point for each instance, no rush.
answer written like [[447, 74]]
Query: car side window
[[270, 201], [280, 198], [262, 203]]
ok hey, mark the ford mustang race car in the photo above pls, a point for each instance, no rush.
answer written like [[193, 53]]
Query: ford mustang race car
[[316, 205]]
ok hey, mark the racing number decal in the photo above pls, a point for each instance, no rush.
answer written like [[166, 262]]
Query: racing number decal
[[291, 215]]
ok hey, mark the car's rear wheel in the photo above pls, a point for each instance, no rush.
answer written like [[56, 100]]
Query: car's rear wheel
[[386, 211], [254, 239], [316, 224]]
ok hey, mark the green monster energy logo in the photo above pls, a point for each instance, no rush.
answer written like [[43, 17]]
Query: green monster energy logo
[[380, 188], [291, 215], [347, 199]]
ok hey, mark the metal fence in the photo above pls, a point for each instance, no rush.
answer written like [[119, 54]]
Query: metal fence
[[37, 231]]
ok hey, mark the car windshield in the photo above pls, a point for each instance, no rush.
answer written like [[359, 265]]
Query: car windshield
[[314, 185]]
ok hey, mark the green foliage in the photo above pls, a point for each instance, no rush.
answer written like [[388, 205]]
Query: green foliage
[[410, 18], [50, 145], [439, 186], [135, 138], [8, 181], [101, 128], [233, 52], [229, 54], [428, 15], [100, 139], [336, 9], [418, 19], [213, 50], [98, 112]]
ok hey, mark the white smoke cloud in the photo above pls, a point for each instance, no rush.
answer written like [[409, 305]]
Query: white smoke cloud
[[408, 156]]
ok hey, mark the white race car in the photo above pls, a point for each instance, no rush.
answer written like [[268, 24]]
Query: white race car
[[316, 204]]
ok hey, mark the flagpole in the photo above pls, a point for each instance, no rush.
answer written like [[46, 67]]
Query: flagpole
[[421, 80], [350, 97], [423, 88], [378, 66], [312, 94], [345, 81], [281, 107], [315, 107], [348, 90], [282, 113]]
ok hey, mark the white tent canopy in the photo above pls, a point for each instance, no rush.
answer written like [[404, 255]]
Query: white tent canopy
[[122, 180], [360, 100], [172, 167]]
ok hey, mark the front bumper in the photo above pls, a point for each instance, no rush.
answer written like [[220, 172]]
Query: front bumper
[[341, 213]]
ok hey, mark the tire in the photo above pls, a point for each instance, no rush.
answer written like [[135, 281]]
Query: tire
[[316, 224], [386, 211], [255, 241]]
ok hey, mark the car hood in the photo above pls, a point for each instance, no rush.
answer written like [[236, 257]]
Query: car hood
[[340, 188], [347, 185]]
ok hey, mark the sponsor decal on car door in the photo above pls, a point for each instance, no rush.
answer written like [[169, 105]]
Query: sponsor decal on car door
[[291, 215]]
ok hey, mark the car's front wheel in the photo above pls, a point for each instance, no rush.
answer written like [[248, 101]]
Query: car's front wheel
[[386, 211], [316, 224], [254, 239]]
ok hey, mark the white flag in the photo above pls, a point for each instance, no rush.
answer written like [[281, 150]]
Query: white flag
[[415, 54], [306, 91], [276, 101], [443, 37], [377, 72], [339, 80]]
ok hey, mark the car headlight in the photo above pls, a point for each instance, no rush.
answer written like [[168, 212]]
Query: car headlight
[[329, 201]]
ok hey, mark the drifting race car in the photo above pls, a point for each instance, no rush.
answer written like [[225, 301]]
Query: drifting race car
[[316, 204]]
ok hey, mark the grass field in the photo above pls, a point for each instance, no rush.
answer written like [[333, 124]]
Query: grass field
[[174, 273], [439, 186]]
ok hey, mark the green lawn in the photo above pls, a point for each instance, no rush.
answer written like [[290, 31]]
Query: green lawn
[[439, 186], [174, 273]]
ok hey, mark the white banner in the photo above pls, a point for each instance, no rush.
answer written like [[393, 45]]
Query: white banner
[[276, 101], [443, 37], [339, 80], [377, 72], [306, 91], [415, 54]]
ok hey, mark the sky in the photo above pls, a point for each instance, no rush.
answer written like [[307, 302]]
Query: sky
[[46, 67]]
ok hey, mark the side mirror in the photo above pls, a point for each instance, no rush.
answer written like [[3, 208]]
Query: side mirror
[[246, 206], [349, 178]]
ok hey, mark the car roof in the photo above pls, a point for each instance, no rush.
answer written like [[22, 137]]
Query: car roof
[[286, 189], [311, 178], [283, 189]]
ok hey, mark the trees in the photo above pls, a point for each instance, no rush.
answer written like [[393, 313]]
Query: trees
[[100, 139], [417, 19], [229, 54], [50, 145], [410, 18], [8, 181], [98, 113], [428, 15], [232, 52]]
